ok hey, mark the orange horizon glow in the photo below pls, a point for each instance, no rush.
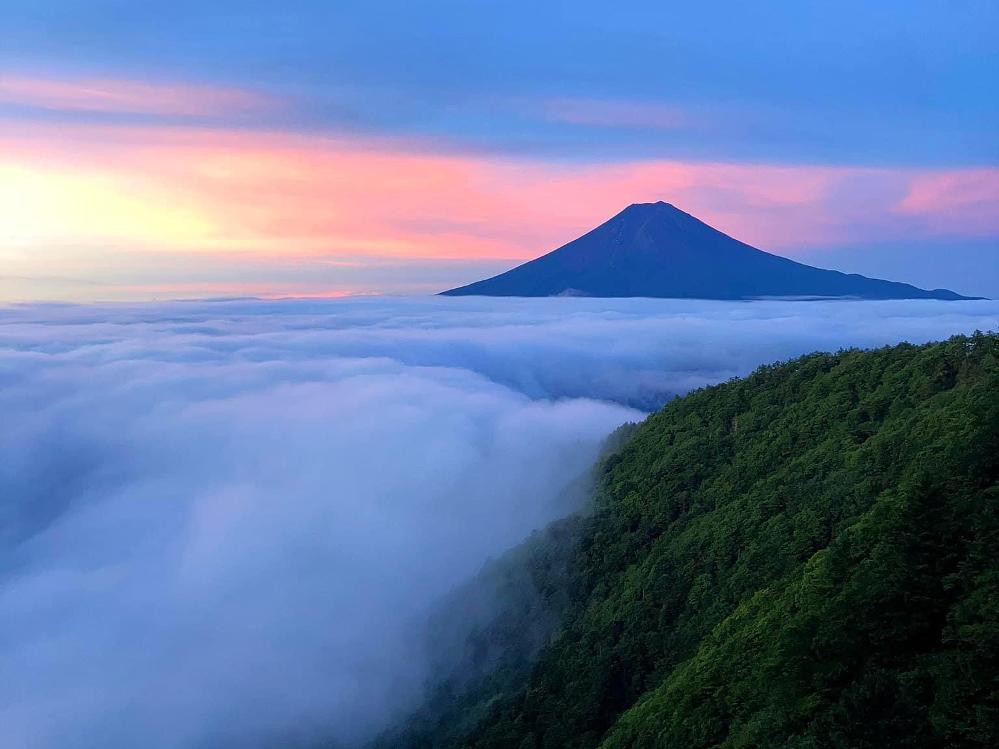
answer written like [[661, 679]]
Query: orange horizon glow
[[79, 198], [267, 193]]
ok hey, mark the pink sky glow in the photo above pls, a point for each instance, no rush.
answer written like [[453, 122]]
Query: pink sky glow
[[191, 189]]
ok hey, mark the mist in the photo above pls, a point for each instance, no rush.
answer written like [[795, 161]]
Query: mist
[[220, 519]]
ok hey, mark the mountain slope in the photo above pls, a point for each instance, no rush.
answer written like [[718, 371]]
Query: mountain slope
[[803, 558], [657, 250]]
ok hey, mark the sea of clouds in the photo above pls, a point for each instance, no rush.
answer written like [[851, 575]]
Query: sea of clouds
[[220, 520]]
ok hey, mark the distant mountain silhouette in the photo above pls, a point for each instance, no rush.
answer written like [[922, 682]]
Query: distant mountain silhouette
[[657, 250]]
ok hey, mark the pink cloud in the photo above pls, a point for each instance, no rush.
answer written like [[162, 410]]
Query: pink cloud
[[962, 201], [129, 97]]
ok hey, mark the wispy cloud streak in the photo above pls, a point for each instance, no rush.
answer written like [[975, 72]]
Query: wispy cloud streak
[[122, 96], [613, 113]]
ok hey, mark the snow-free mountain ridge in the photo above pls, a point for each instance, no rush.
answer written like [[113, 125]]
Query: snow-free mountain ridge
[[657, 250]]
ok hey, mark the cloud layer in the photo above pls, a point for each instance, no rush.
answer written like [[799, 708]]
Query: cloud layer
[[220, 519]]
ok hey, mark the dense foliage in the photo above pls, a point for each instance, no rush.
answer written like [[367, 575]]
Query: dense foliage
[[806, 557]]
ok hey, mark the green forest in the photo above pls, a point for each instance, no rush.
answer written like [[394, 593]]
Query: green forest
[[805, 557]]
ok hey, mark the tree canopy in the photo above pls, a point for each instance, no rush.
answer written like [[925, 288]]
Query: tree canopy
[[806, 557]]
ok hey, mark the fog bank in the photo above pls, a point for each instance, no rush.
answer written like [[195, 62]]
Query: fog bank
[[218, 519]]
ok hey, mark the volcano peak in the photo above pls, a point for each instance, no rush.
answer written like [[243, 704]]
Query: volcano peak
[[658, 250]]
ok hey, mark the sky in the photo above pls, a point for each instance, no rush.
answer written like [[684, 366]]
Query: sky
[[159, 150], [225, 523]]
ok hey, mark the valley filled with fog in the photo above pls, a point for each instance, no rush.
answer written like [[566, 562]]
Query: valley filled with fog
[[220, 521]]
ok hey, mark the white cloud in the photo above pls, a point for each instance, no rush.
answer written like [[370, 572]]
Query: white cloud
[[218, 520]]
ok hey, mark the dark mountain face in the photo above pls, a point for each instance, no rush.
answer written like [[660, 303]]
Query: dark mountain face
[[657, 250]]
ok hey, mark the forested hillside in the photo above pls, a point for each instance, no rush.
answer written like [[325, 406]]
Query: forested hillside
[[806, 557]]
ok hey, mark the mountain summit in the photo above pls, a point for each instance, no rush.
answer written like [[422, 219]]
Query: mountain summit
[[657, 250]]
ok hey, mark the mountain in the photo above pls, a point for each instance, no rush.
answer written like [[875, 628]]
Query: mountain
[[802, 558], [657, 250]]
